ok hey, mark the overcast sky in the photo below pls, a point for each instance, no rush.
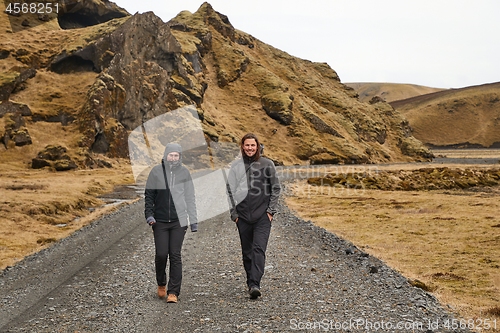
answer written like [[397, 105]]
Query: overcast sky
[[434, 43]]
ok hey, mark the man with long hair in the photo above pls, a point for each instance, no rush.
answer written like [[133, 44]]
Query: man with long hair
[[253, 189]]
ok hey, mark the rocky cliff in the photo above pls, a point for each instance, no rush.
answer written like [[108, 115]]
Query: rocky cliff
[[101, 73]]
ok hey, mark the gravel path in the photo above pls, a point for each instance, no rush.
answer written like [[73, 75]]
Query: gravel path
[[101, 279]]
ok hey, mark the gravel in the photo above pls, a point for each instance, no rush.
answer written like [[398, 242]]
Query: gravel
[[101, 279]]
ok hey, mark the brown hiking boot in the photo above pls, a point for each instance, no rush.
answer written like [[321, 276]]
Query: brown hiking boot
[[162, 292], [171, 298]]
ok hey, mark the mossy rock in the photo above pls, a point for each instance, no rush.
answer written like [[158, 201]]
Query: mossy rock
[[230, 62], [412, 147], [324, 158], [21, 137], [53, 156], [65, 165], [38, 163], [278, 106], [53, 153]]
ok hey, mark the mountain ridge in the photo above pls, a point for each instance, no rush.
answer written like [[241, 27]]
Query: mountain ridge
[[144, 67]]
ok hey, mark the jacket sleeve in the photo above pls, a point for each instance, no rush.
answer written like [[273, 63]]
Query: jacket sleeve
[[274, 183], [190, 198], [231, 189], [150, 197]]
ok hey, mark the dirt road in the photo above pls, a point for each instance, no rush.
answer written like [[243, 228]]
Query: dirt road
[[101, 279]]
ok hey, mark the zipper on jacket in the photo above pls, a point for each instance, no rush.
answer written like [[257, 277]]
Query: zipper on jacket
[[170, 187], [250, 183]]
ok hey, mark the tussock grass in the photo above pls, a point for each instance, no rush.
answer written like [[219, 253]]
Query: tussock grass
[[40, 207]]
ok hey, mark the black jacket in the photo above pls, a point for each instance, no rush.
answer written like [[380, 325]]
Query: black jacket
[[253, 189], [173, 202]]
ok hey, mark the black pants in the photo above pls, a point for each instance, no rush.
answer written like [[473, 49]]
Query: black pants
[[168, 244], [254, 238]]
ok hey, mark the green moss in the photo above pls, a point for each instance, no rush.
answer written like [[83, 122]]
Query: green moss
[[268, 82], [193, 21], [187, 40], [92, 33], [8, 77], [229, 61], [278, 105]]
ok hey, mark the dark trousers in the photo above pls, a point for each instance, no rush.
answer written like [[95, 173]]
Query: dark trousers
[[168, 244], [254, 238]]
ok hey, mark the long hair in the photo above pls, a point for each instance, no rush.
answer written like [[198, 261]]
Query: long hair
[[250, 136]]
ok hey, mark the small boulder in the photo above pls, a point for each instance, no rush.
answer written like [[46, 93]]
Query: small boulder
[[38, 163], [21, 137], [64, 165], [53, 156]]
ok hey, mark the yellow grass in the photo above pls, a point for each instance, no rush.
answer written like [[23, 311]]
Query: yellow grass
[[467, 115], [39, 207], [465, 153], [450, 240]]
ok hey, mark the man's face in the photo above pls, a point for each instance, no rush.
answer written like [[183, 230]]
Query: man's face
[[174, 156], [250, 147]]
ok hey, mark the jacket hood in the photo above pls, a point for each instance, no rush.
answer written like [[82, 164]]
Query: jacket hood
[[171, 148]]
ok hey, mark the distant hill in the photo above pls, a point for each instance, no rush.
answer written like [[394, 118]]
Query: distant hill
[[389, 91], [465, 117]]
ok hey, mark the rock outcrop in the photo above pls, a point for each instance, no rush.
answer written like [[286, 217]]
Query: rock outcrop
[[15, 130], [55, 157], [13, 81], [236, 83], [75, 14]]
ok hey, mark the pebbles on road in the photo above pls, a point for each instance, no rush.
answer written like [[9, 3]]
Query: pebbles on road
[[101, 279]]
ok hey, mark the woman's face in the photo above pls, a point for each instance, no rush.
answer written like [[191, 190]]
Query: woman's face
[[250, 147]]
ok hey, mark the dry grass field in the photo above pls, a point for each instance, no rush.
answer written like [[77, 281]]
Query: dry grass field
[[39, 207], [445, 241]]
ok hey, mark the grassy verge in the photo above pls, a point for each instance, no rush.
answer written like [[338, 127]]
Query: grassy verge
[[449, 240], [39, 207]]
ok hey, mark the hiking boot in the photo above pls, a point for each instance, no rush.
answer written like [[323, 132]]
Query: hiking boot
[[162, 291], [172, 298], [254, 292]]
